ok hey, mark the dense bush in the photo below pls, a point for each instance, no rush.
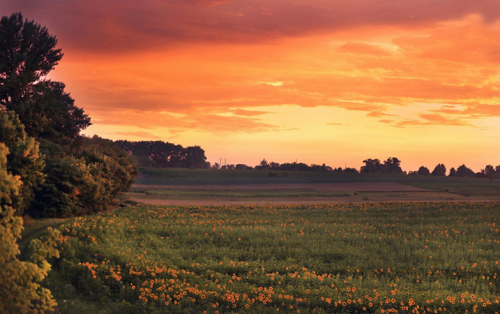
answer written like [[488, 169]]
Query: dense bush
[[24, 159], [20, 291]]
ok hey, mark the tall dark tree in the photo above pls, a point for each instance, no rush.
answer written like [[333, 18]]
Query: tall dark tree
[[392, 165], [36, 110], [274, 165], [27, 54], [439, 170], [453, 172], [164, 154], [423, 171], [464, 171], [372, 166], [195, 157], [488, 171]]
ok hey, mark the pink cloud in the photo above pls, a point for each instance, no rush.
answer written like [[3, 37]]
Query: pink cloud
[[117, 27], [362, 48], [141, 135]]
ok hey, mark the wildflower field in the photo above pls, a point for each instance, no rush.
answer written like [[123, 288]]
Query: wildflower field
[[339, 258]]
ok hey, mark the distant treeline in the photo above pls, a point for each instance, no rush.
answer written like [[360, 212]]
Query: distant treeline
[[165, 155], [297, 166], [391, 165]]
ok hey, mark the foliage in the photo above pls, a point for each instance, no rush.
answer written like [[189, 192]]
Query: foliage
[[439, 170], [423, 171], [51, 114], [391, 165], [28, 53], [338, 258], [111, 171], [24, 159], [20, 291], [163, 154], [463, 171], [81, 175], [85, 181], [453, 172], [66, 175]]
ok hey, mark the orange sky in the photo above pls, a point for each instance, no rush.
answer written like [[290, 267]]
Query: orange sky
[[318, 81]]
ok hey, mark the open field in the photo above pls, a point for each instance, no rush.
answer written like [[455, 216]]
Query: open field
[[211, 187], [293, 243], [337, 258], [293, 193]]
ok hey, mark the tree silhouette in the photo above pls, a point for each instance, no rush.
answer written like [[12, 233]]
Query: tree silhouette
[[38, 112], [28, 53], [489, 171], [371, 166], [194, 157], [392, 165], [439, 170], [464, 171], [163, 154], [263, 164], [453, 172], [423, 171]]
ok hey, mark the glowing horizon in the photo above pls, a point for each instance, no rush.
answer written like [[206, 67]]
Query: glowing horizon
[[315, 81]]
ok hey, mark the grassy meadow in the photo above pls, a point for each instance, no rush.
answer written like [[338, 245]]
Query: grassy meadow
[[338, 258]]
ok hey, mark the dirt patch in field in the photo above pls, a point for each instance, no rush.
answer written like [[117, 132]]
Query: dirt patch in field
[[290, 202], [320, 187]]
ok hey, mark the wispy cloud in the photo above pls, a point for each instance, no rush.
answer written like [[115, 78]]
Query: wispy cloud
[[140, 135], [362, 48], [338, 124]]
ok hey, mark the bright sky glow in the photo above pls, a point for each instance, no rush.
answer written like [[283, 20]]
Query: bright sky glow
[[318, 81]]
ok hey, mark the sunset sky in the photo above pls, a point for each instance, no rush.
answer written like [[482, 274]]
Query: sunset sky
[[318, 81]]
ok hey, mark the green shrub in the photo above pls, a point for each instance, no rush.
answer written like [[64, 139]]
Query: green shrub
[[20, 290]]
